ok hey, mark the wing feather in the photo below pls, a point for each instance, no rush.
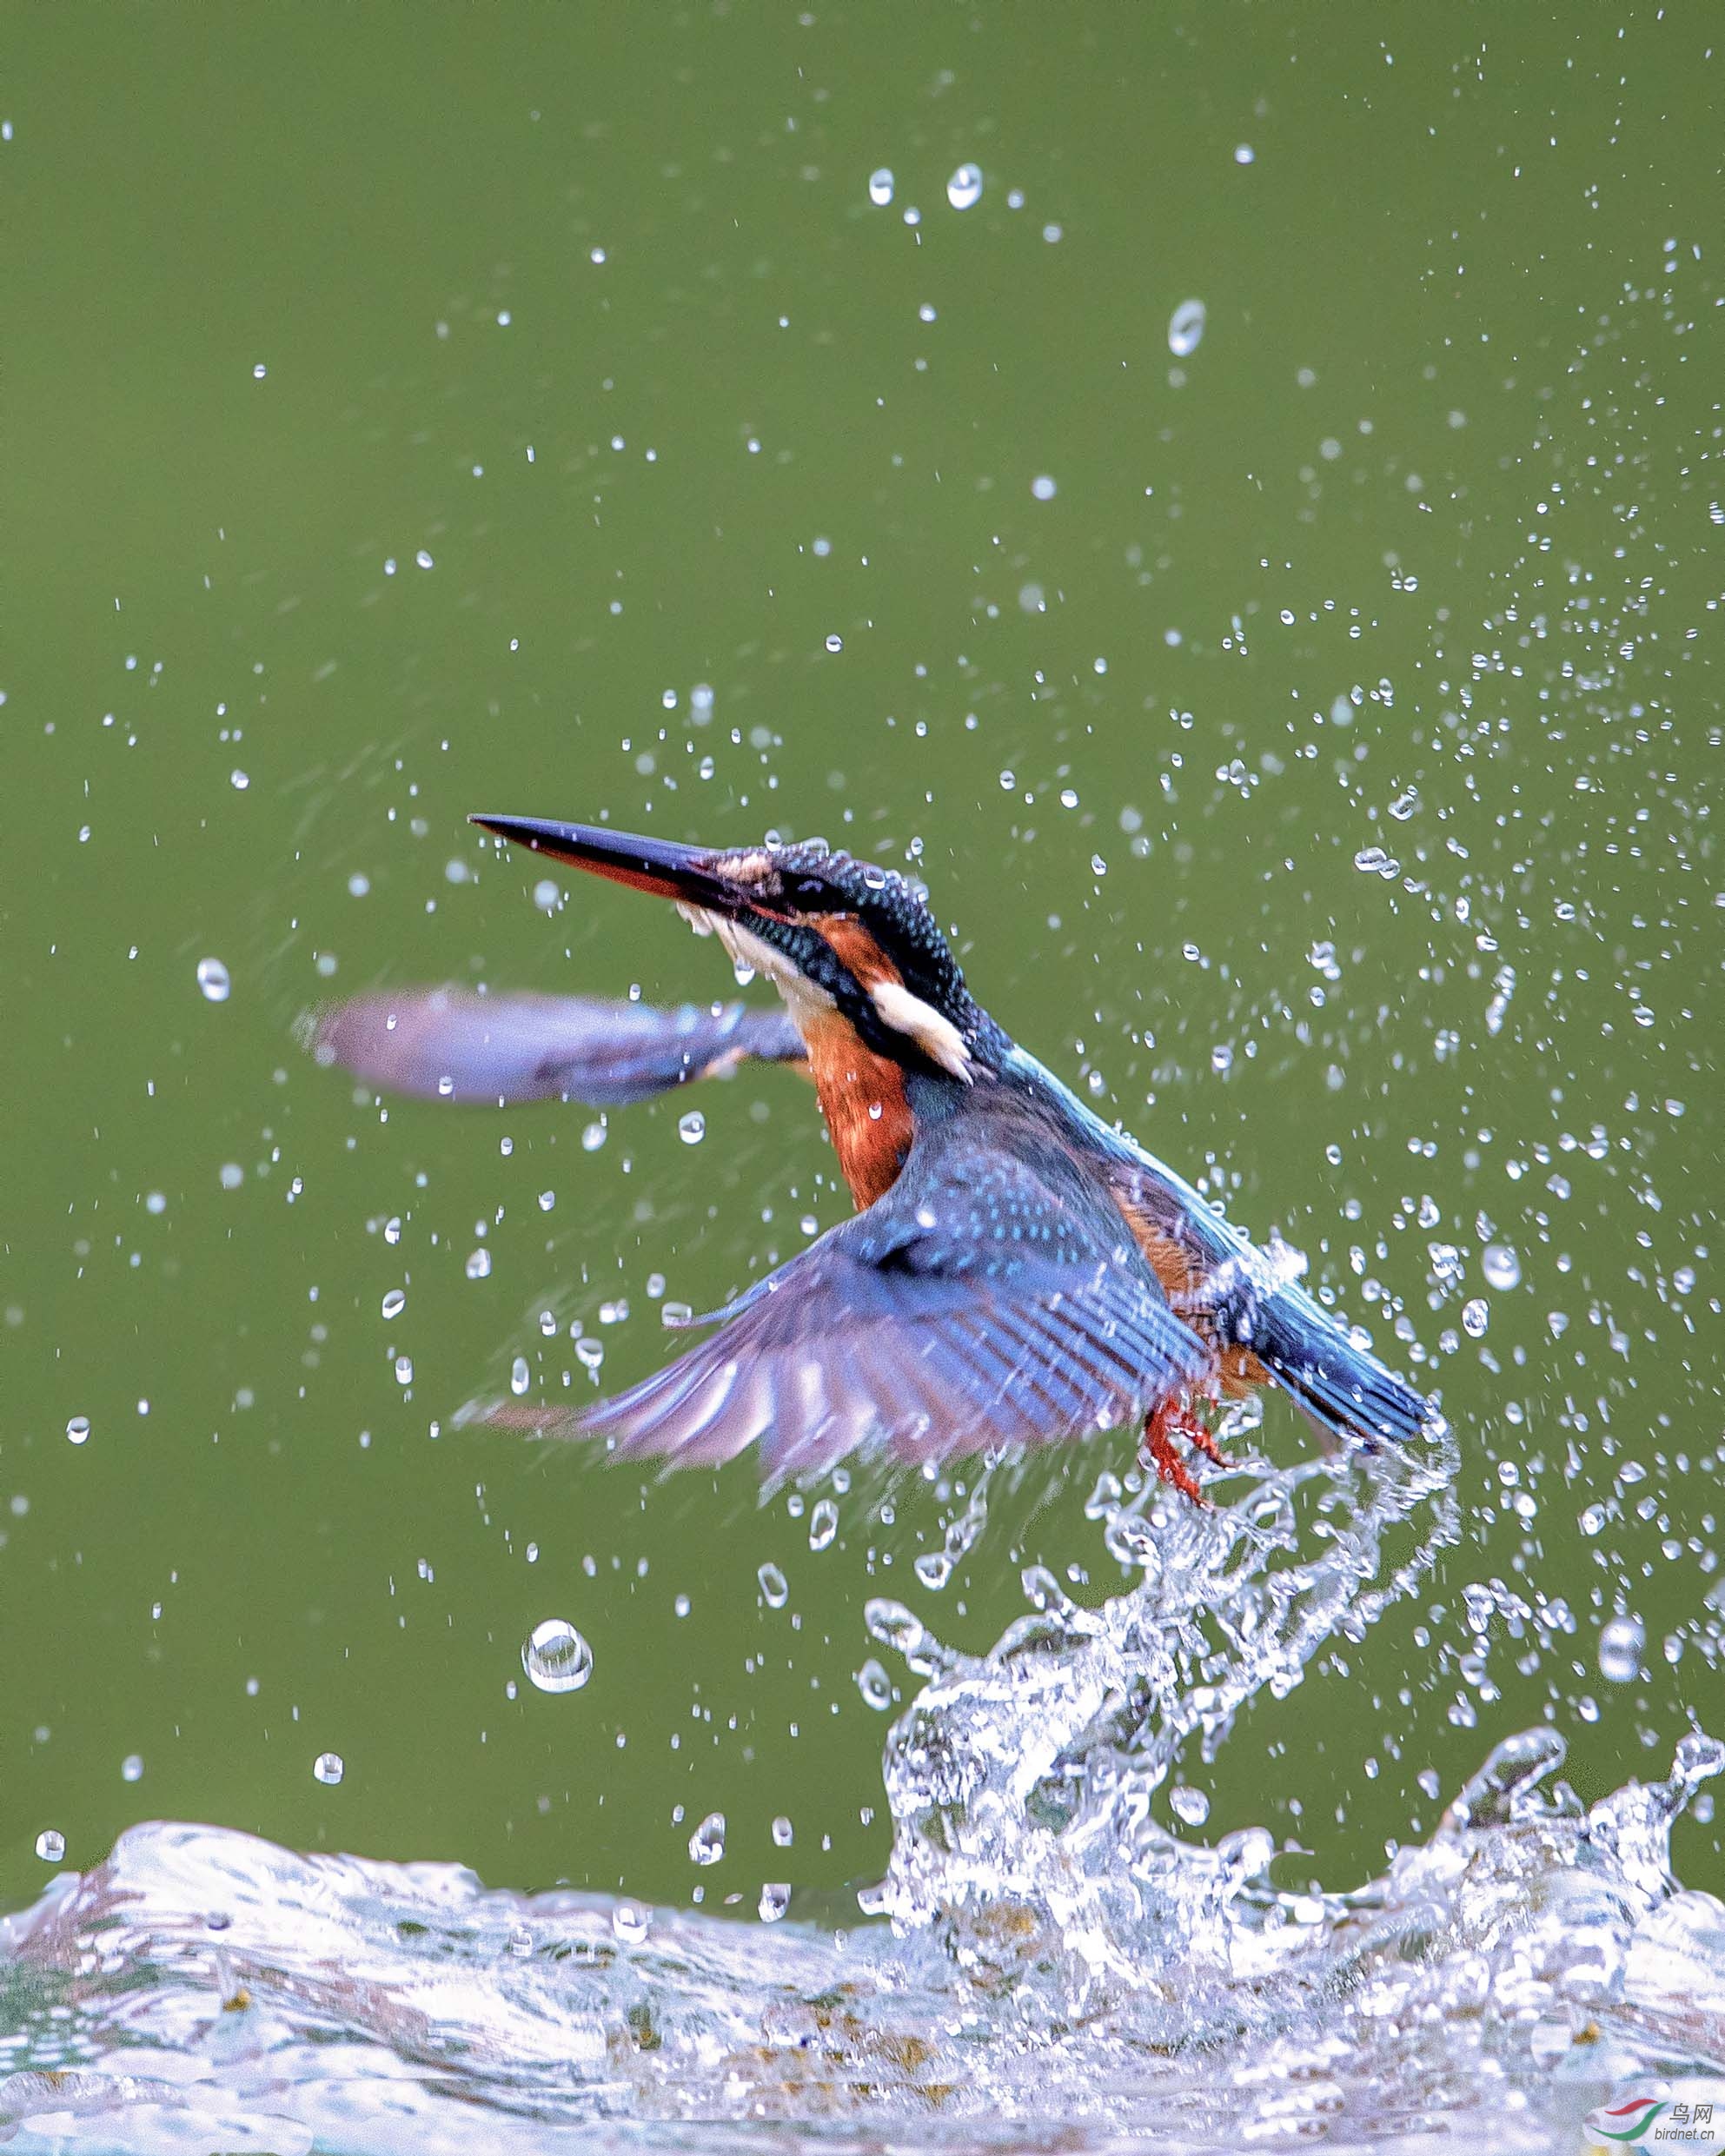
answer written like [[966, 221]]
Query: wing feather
[[989, 1298], [452, 1044]]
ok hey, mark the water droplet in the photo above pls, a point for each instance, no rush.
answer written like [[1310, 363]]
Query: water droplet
[[964, 189], [358, 885], [479, 1263], [875, 1686], [692, 1127], [392, 1228], [213, 979], [77, 1429], [545, 895], [519, 1375], [706, 1843], [238, 780], [1044, 487], [774, 1900], [231, 1175], [934, 1568], [880, 186], [1476, 1317], [835, 643], [547, 1200], [823, 1523], [783, 1833], [592, 1138], [328, 1769], [1405, 805], [630, 1923], [556, 1657], [1592, 1519], [1189, 1805], [50, 1845], [132, 1767], [1185, 328], [775, 1588], [394, 1303], [1097, 866], [1501, 1267], [1621, 1641]]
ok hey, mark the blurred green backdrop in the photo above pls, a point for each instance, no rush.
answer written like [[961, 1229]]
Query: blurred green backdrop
[[405, 410]]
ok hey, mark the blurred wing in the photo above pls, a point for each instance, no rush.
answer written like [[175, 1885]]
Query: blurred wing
[[450, 1043], [991, 1298]]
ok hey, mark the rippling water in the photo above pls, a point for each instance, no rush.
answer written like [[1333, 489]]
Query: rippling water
[[1043, 1965]]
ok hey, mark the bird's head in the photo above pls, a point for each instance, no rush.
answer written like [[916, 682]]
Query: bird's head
[[835, 935]]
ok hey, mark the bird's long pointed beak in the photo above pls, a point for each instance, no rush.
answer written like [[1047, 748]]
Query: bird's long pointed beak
[[656, 866]]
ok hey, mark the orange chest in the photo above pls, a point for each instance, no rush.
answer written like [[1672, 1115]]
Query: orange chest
[[862, 1095]]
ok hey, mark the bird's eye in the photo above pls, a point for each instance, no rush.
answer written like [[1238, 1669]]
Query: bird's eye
[[813, 894]]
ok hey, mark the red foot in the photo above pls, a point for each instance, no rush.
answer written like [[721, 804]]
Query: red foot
[[1158, 1450]]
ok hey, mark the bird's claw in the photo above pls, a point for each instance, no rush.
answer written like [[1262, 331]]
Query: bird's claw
[[1157, 1448]]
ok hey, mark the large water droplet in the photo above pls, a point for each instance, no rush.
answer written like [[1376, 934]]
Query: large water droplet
[[880, 186], [823, 1523], [329, 1767], [1185, 328], [394, 1303], [964, 189], [783, 1833], [77, 1429], [1476, 1317], [213, 979], [132, 1767], [1501, 1267], [1189, 1805], [556, 1657], [479, 1263], [775, 1588], [50, 1845], [706, 1843], [520, 1376], [875, 1686], [1621, 1641], [1593, 1520], [692, 1127], [774, 1900], [630, 1922]]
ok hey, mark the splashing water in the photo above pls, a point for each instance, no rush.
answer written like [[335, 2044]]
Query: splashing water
[[1055, 1960]]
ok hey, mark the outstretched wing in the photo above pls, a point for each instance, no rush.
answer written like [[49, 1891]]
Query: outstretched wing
[[993, 1297], [453, 1044]]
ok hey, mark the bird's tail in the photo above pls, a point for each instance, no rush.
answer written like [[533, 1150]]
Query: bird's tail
[[1343, 1388]]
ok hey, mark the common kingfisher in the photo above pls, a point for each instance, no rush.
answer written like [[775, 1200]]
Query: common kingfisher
[[1017, 1272]]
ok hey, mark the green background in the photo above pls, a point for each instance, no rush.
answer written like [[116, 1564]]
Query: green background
[[297, 294]]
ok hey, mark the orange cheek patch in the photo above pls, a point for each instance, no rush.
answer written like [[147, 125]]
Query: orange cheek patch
[[856, 950]]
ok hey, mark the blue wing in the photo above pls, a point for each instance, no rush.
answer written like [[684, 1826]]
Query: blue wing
[[993, 1297], [451, 1044]]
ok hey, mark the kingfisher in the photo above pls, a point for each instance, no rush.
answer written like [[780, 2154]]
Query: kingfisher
[[1017, 1272]]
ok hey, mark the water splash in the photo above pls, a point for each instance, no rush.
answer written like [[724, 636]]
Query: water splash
[[1056, 1961]]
